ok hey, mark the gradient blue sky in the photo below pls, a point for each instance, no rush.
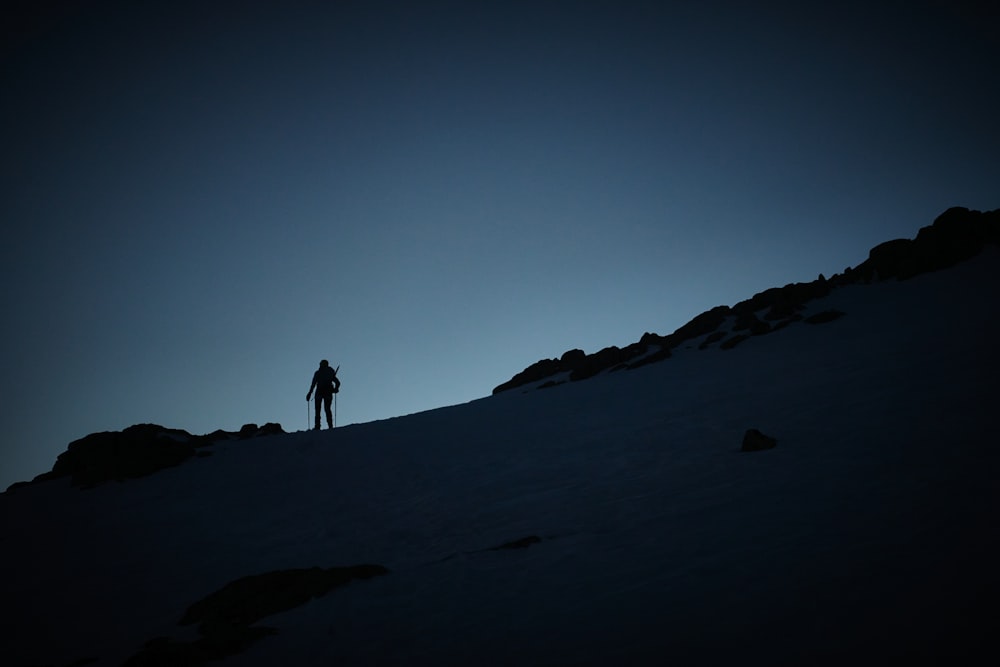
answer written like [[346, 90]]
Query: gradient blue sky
[[201, 203]]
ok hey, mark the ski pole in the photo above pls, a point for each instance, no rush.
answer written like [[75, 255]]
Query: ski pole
[[335, 371], [307, 414]]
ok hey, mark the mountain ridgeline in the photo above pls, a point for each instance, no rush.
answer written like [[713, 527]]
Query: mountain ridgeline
[[956, 235], [644, 519]]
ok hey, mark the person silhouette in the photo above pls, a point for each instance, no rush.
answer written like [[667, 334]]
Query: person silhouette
[[326, 384]]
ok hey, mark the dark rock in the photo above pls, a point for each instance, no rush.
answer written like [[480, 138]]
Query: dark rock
[[522, 543], [270, 428], [215, 436], [782, 302], [782, 310], [824, 317], [730, 343], [226, 618], [755, 441], [749, 322], [658, 355], [785, 322], [21, 485], [891, 259], [649, 339], [611, 359], [578, 365], [712, 338], [137, 451], [246, 431], [533, 373], [956, 235], [250, 599], [702, 324], [593, 364]]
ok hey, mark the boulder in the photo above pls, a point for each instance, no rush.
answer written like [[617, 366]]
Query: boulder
[[137, 451], [755, 441]]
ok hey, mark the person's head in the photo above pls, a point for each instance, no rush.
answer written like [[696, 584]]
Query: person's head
[[324, 363]]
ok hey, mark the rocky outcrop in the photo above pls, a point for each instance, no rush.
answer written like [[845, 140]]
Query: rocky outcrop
[[956, 235], [577, 365], [702, 324], [593, 364], [755, 441], [226, 618], [138, 451], [537, 371], [254, 431], [782, 302]]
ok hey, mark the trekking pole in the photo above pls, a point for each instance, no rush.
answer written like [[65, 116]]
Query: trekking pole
[[307, 414], [335, 410]]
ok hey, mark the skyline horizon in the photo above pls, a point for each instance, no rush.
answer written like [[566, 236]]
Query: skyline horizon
[[288, 429], [201, 203], [634, 503]]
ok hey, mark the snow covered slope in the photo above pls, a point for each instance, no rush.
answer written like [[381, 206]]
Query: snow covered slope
[[646, 536]]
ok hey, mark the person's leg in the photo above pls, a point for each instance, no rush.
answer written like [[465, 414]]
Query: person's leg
[[319, 399], [329, 411]]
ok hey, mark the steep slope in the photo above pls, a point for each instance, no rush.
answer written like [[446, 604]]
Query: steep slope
[[646, 536]]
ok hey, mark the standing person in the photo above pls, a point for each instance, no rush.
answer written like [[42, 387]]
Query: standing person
[[326, 384]]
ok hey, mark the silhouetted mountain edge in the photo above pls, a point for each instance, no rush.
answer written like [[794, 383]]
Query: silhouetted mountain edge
[[137, 451], [956, 235]]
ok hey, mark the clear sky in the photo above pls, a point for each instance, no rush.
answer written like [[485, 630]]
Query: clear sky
[[200, 202]]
